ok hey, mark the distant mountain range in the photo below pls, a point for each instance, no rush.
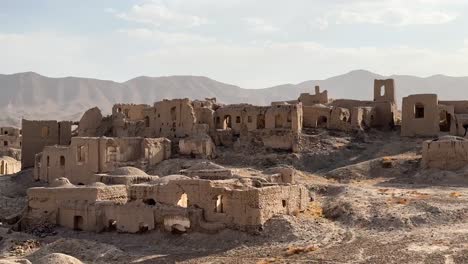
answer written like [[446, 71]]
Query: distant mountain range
[[34, 96]]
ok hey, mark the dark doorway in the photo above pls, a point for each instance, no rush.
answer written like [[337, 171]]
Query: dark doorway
[[78, 223]]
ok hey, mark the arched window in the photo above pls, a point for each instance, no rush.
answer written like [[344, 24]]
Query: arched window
[[183, 201], [322, 121], [147, 121], [227, 122], [219, 206], [62, 161]]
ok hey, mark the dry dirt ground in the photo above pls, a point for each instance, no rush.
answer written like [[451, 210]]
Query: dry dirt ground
[[371, 204]]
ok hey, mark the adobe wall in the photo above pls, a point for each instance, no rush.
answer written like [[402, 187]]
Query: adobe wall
[[284, 117], [205, 115], [384, 91], [38, 134], [10, 138], [9, 165], [170, 118], [316, 116], [10, 142], [86, 157], [198, 146], [287, 200], [445, 153], [10, 131], [460, 106], [422, 122], [90, 123], [237, 117], [279, 139], [240, 208], [340, 119], [308, 99], [62, 205], [132, 112], [384, 115]]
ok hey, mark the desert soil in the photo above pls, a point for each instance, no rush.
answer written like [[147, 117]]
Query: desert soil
[[371, 204]]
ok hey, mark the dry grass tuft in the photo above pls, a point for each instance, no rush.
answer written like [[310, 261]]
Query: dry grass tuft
[[384, 190], [399, 200], [420, 195], [266, 261], [292, 250], [313, 210], [387, 162]]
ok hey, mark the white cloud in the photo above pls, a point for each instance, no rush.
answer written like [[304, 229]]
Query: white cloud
[[262, 64], [392, 13], [259, 25], [166, 38], [159, 14]]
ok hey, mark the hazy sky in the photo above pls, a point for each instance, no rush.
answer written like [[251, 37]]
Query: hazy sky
[[251, 43]]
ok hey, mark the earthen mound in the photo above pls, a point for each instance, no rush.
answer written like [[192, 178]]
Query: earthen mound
[[167, 179], [58, 258], [61, 182], [128, 171]]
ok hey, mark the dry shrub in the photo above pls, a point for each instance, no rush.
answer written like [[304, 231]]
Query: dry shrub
[[420, 195], [455, 194], [266, 261], [387, 162], [292, 250], [399, 200], [313, 210], [384, 190]]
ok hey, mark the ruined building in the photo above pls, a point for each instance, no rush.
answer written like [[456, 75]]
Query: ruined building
[[9, 165], [197, 126], [10, 137], [10, 150], [346, 114], [87, 156], [172, 203], [97, 180], [425, 115], [445, 153], [38, 134]]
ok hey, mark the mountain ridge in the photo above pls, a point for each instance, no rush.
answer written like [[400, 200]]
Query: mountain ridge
[[35, 96]]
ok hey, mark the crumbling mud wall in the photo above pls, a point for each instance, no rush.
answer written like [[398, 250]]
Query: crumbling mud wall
[[308, 99], [38, 134], [242, 208], [9, 165], [90, 123], [445, 153], [70, 206], [170, 118], [10, 137], [384, 91], [131, 112], [420, 115], [284, 117], [178, 202], [241, 116], [201, 146], [317, 116], [88, 156]]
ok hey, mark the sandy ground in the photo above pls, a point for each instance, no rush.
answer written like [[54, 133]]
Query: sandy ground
[[371, 204]]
